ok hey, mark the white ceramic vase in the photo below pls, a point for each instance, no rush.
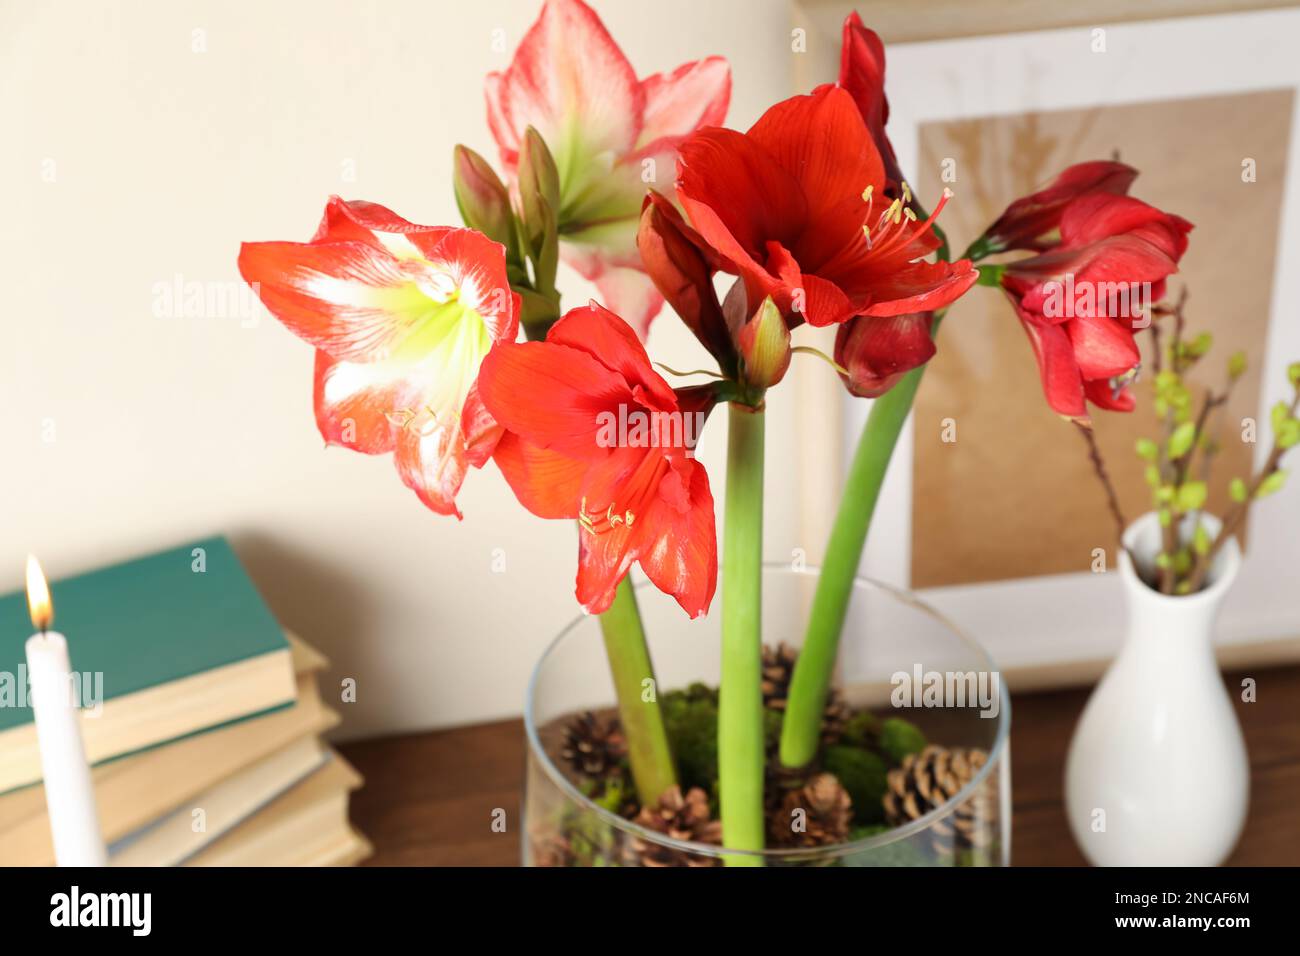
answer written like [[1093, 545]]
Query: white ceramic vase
[[1157, 773]]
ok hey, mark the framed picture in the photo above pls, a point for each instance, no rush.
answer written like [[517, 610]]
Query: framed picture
[[991, 509]]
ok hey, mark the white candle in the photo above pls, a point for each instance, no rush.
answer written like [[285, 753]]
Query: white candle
[[69, 792]]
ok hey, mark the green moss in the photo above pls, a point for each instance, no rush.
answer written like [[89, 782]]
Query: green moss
[[898, 738], [691, 717], [861, 729], [613, 797], [862, 774], [772, 728], [863, 832]]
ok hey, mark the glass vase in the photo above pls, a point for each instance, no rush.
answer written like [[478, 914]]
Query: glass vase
[[898, 658]]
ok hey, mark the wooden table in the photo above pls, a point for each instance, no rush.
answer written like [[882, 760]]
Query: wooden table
[[429, 798]]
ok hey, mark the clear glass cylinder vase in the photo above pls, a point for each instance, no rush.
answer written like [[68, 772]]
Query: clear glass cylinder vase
[[898, 658]]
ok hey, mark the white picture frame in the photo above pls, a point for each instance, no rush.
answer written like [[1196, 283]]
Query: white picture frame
[[1038, 626]]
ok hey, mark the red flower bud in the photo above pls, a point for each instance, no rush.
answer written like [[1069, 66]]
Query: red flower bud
[[682, 268], [876, 353], [862, 73]]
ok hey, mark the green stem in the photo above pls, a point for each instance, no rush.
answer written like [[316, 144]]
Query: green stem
[[638, 700], [740, 700], [810, 683]]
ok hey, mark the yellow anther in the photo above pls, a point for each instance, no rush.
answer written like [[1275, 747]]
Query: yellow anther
[[612, 520]]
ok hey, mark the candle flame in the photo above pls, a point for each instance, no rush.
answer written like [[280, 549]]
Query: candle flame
[[38, 596]]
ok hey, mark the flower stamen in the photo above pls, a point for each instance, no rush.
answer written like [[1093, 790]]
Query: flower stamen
[[609, 520]]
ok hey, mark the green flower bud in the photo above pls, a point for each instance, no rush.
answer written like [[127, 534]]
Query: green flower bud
[[764, 346], [1180, 442], [1192, 495], [483, 200], [1237, 365], [1272, 483], [1280, 413]]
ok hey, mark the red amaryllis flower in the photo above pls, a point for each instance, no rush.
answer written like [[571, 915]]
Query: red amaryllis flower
[[594, 433], [1033, 222], [610, 134], [797, 208], [401, 317], [1081, 302]]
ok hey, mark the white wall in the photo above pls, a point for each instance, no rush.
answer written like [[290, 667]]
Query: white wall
[[129, 159]]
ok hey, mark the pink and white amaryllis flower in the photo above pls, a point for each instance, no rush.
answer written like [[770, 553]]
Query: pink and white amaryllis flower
[[612, 137], [402, 317]]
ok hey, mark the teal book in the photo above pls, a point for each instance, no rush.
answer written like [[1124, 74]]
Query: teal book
[[163, 647]]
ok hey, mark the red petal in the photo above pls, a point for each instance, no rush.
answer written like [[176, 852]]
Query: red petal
[[1031, 221], [349, 298], [551, 395], [682, 272], [623, 483], [822, 142], [862, 74], [432, 463], [1102, 394], [1062, 383], [567, 74], [1099, 216], [825, 303], [361, 221], [478, 267], [481, 431], [509, 139], [546, 483], [920, 287], [612, 342], [1102, 347], [354, 402], [737, 196], [878, 352], [679, 549], [678, 103]]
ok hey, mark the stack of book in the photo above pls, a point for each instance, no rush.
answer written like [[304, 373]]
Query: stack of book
[[201, 716]]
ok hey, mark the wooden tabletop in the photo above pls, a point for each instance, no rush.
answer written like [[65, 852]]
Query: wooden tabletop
[[430, 798]]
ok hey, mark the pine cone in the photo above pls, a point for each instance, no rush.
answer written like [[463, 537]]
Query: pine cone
[[817, 814], [834, 718], [592, 747], [679, 818], [778, 669], [930, 779]]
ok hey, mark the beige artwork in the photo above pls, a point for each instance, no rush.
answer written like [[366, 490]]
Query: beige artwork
[[1015, 495]]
